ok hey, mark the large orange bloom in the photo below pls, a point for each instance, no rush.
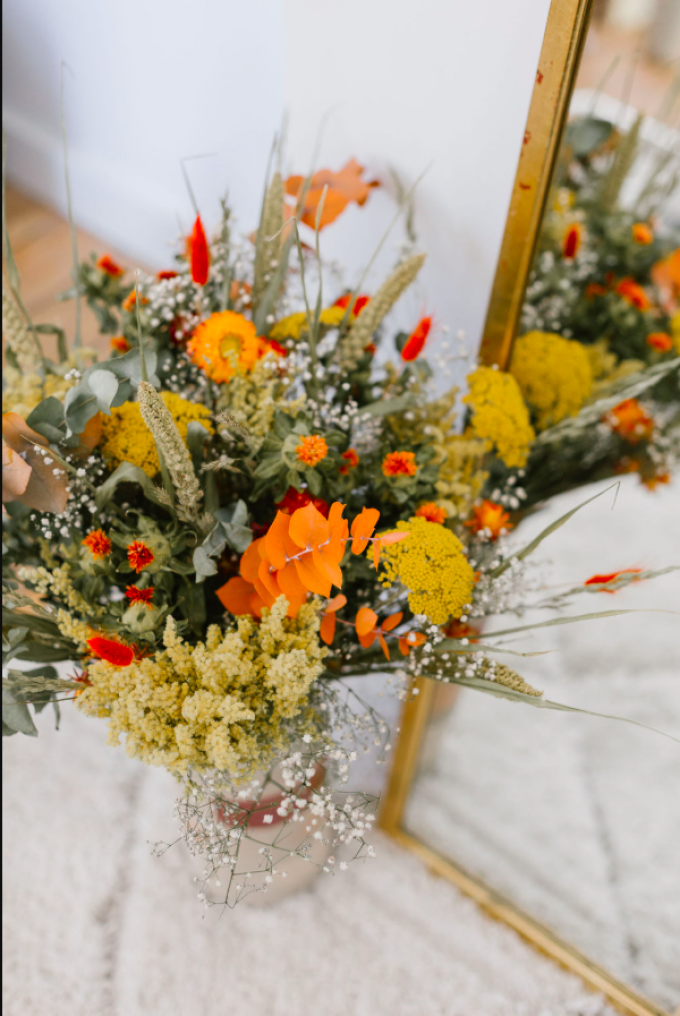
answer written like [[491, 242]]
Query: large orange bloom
[[630, 421], [432, 512], [312, 449], [226, 343], [642, 233]]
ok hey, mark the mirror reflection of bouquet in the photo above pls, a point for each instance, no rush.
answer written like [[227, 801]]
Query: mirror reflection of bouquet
[[597, 356], [238, 510]]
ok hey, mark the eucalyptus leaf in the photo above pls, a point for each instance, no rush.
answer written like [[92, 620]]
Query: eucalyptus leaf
[[80, 405], [47, 419], [104, 384]]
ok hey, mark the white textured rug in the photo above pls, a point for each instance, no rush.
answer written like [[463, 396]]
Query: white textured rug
[[94, 926]]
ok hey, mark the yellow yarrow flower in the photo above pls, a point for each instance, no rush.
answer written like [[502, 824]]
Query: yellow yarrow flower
[[431, 564], [554, 375], [293, 326], [126, 438], [220, 704], [500, 417]]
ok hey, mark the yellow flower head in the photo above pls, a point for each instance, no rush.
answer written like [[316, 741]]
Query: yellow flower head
[[126, 438], [431, 564], [499, 415], [226, 344], [675, 330], [554, 374], [293, 326]]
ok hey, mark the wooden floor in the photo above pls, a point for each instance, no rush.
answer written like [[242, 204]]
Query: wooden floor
[[41, 242]]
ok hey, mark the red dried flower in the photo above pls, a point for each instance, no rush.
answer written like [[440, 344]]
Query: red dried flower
[[115, 653], [139, 555], [198, 253], [137, 595], [413, 346], [294, 499]]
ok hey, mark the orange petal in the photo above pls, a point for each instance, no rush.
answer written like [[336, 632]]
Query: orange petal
[[336, 603], [392, 621], [384, 646], [257, 604], [368, 640], [290, 584], [335, 514], [250, 562], [327, 629], [274, 541], [365, 620], [268, 579], [363, 527], [235, 596], [387, 538], [377, 544], [404, 647], [307, 526], [325, 564], [310, 578]]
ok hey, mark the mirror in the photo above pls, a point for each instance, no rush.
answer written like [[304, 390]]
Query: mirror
[[567, 827]]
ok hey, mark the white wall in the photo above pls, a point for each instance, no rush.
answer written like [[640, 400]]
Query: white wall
[[152, 82], [409, 83]]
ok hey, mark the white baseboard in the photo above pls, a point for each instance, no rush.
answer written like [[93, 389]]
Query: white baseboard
[[129, 213]]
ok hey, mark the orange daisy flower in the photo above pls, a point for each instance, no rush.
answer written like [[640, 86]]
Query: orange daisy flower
[[630, 421], [139, 555], [633, 294], [642, 233], [312, 449], [661, 341], [489, 518], [352, 460], [137, 595], [432, 512], [130, 301], [652, 482], [399, 464], [98, 543], [571, 241], [225, 343], [109, 266], [120, 344]]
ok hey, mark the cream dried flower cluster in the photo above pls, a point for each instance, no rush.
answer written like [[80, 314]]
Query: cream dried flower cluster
[[220, 704]]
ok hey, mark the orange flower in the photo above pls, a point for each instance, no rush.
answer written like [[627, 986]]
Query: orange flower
[[642, 233], [571, 241], [108, 265], [300, 554], [352, 460], [633, 294], [410, 641], [595, 289], [166, 274], [120, 344], [630, 421], [600, 580], [399, 464], [139, 555], [367, 631], [344, 187], [130, 301], [98, 543], [413, 346], [661, 341], [457, 629], [225, 343], [432, 512], [198, 253], [115, 653], [359, 303], [312, 449], [652, 482], [137, 595], [489, 518]]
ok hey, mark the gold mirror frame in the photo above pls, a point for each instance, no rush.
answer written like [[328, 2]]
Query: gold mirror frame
[[563, 42]]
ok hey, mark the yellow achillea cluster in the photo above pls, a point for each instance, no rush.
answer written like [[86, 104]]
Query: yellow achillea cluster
[[293, 326], [431, 564], [223, 704], [554, 374], [675, 330], [24, 390], [126, 438], [461, 477], [73, 629], [499, 415]]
